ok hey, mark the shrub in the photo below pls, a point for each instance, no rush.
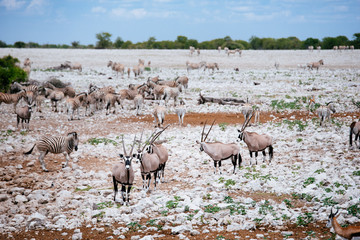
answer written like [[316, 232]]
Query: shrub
[[10, 73]]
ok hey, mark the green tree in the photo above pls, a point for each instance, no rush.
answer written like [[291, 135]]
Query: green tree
[[19, 44], [103, 40], [255, 42], [3, 44], [127, 45], [75, 44], [10, 73], [118, 42], [33, 45], [150, 42], [329, 42], [356, 41], [311, 42]]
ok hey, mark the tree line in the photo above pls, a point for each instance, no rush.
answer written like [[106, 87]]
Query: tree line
[[182, 42]]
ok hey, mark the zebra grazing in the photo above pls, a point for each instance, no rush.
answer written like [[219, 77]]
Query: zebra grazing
[[12, 98], [56, 145], [324, 112]]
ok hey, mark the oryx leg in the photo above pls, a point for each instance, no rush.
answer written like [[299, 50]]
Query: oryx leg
[[357, 144], [233, 160], [215, 166], [115, 188], [264, 155], [155, 176], [123, 191], [250, 157], [128, 192], [256, 154], [219, 167], [41, 159]]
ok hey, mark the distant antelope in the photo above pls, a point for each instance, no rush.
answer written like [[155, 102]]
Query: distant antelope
[[138, 102], [117, 67], [256, 142], [192, 50], [123, 173], [23, 114], [355, 129], [220, 151], [350, 232]]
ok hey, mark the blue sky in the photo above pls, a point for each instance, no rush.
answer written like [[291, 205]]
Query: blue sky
[[65, 21]]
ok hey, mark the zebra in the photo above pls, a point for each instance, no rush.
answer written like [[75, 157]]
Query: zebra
[[56, 145], [12, 98]]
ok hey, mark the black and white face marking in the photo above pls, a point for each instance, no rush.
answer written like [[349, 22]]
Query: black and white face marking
[[241, 135], [127, 160]]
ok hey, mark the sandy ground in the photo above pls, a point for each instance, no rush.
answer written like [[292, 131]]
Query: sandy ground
[[313, 167]]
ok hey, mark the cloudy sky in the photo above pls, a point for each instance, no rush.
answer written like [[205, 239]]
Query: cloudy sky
[[65, 21]]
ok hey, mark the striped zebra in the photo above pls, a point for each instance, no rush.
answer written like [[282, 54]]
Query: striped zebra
[[12, 98], [56, 145], [73, 104]]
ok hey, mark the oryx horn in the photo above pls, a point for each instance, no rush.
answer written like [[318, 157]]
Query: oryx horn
[[209, 130]]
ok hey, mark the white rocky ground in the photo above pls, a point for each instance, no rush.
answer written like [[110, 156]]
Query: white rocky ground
[[315, 164]]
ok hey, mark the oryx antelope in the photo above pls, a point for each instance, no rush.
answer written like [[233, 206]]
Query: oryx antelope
[[123, 173], [355, 129], [324, 112], [256, 142], [349, 232], [220, 151], [23, 114], [63, 144], [149, 161]]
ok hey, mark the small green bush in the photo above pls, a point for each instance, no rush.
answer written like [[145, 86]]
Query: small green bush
[[10, 73]]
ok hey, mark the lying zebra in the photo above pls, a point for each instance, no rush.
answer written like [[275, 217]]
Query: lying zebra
[[63, 144]]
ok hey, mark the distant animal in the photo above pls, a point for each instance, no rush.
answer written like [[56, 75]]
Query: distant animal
[[180, 112], [55, 144], [349, 232], [159, 115], [316, 65], [117, 67], [191, 66], [211, 66], [324, 112]]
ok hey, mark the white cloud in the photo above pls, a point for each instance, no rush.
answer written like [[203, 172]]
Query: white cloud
[[138, 13], [36, 7], [120, 12], [98, 10], [12, 4]]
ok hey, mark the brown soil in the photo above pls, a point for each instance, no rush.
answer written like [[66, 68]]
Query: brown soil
[[317, 229]]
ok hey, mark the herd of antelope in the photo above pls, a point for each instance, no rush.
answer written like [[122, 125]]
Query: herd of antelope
[[151, 155]]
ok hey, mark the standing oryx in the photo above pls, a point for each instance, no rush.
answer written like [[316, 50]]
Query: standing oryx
[[149, 161], [355, 129], [256, 142], [123, 173], [220, 151]]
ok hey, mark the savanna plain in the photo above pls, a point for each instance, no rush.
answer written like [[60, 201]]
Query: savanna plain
[[313, 169]]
